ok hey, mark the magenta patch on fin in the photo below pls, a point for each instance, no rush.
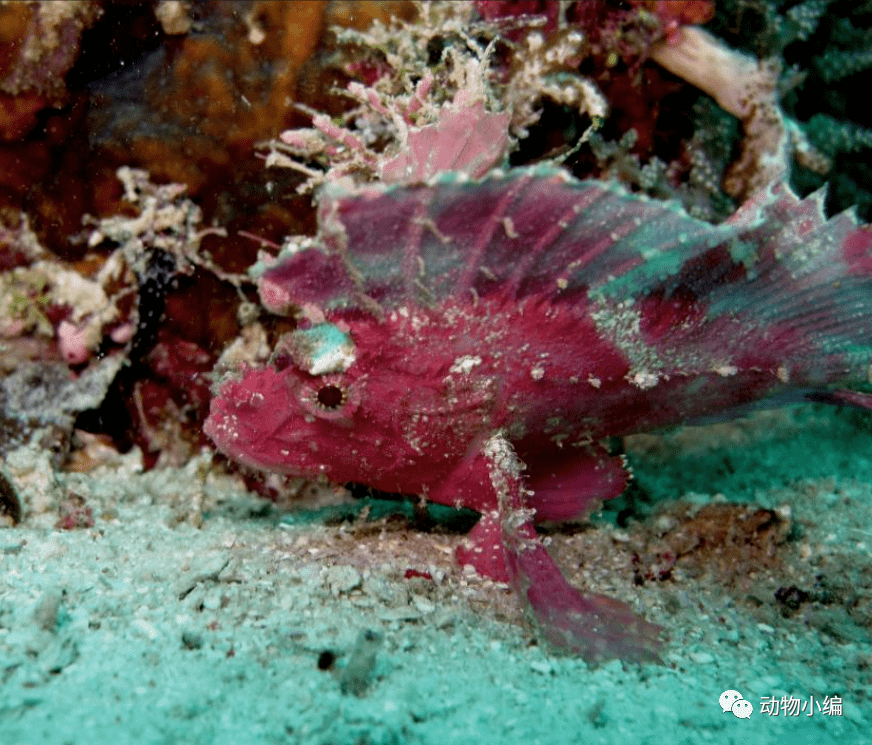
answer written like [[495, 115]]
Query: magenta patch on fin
[[483, 549], [594, 626], [309, 276], [857, 250], [571, 486]]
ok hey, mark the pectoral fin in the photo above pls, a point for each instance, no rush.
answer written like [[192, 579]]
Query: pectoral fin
[[593, 626], [569, 485]]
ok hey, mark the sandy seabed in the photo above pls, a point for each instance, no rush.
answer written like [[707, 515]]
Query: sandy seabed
[[195, 612]]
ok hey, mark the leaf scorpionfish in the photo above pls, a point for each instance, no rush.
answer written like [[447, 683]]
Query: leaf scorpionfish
[[474, 341]]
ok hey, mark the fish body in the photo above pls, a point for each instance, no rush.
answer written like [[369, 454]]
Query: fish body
[[474, 341]]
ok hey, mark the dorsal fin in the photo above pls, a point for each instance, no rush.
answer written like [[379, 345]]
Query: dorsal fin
[[778, 263], [527, 230]]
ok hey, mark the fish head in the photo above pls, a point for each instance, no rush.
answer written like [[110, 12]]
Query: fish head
[[334, 402], [303, 413], [286, 421]]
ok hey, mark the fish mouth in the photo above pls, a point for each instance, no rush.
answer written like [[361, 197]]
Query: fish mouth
[[248, 448], [222, 427], [258, 436]]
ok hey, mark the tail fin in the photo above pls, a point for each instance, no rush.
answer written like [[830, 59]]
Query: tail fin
[[788, 288], [813, 275]]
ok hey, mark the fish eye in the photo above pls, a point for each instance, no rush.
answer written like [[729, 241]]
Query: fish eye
[[281, 362], [330, 396]]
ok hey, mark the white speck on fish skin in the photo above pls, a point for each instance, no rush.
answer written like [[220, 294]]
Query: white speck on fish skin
[[726, 371], [783, 375], [230, 426], [509, 227], [537, 373], [595, 382], [333, 360], [464, 364], [644, 380]]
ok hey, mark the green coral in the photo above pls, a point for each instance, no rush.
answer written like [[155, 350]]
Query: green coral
[[832, 137], [837, 65]]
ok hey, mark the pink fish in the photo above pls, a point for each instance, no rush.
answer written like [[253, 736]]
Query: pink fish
[[473, 341]]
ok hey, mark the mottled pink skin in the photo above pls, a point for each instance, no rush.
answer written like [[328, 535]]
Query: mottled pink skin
[[503, 328], [425, 390], [857, 252]]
